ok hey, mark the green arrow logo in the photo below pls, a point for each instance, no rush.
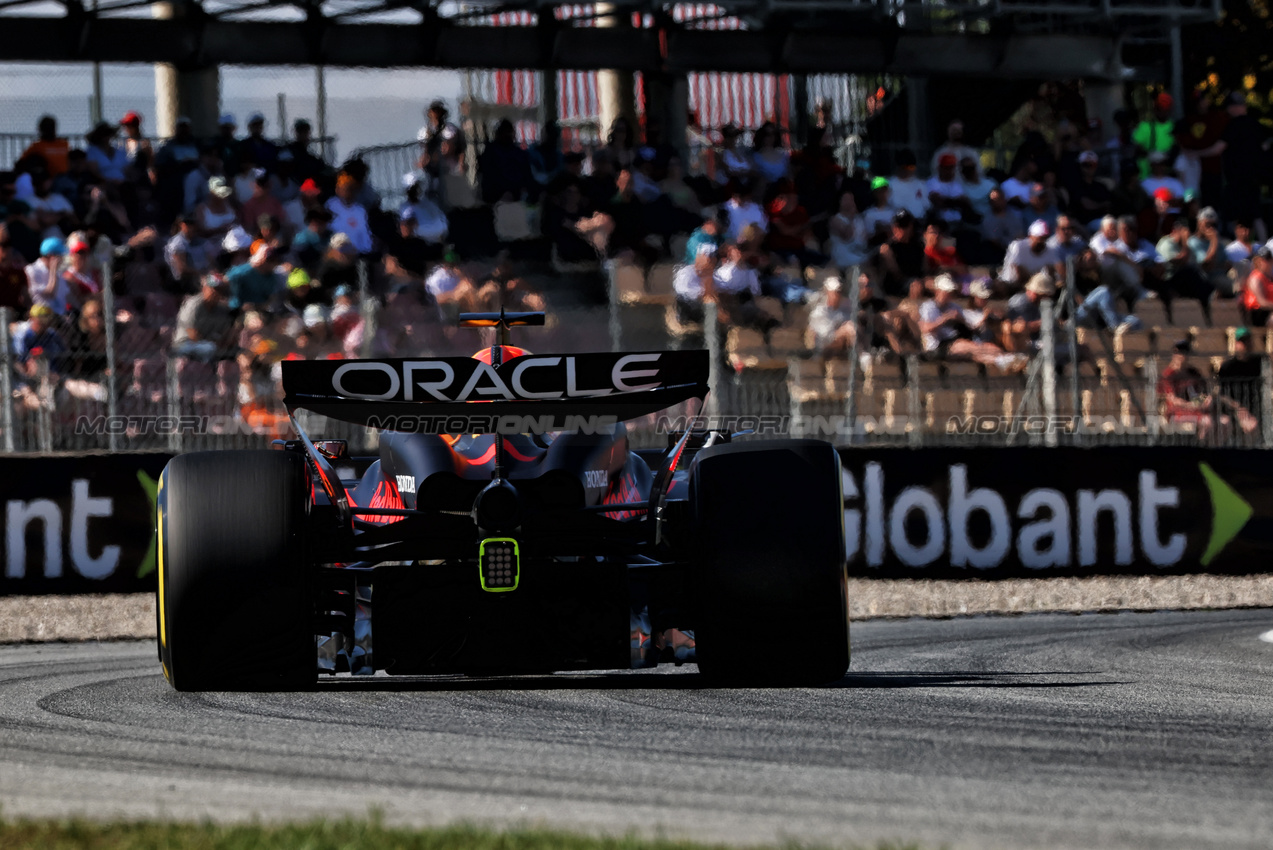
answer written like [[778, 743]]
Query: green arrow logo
[[1229, 513], [151, 488]]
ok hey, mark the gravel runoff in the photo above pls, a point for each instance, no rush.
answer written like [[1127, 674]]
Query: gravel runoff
[[125, 616]]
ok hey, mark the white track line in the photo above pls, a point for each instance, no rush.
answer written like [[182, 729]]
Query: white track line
[[1267, 637]]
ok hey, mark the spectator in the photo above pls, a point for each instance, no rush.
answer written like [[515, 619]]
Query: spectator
[[14, 292], [686, 207], [428, 221], [1241, 381], [1023, 329], [504, 167], [71, 184], [1243, 157], [847, 244], [305, 165], [940, 253], [901, 259], [1257, 294], [737, 288], [437, 131], [1156, 134], [286, 189], [743, 210], [21, 226], [621, 143], [946, 194], [1239, 253], [1000, 228], [450, 289], [205, 322], [771, 160], [256, 283], [563, 214], [1042, 206], [348, 216], [732, 165], [408, 254], [878, 219], [954, 146], [53, 150], [45, 283], [1200, 163], [105, 161], [186, 252], [195, 184], [946, 334], [833, 328], [1208, 249], [626, 211], [34, 341], [310, 244], [256, 148], [984, 319], [1090, 198], [1160, 178], [1029, 256], [909, 192], [1180, 274], [1067, 241], [977, 188], [694, 284], [790, 233], [261, 205], [707, 233], [339, 264], [54, 214], [1016, 189], [215, 217], [82, 275], [86, 361], [226, 145]]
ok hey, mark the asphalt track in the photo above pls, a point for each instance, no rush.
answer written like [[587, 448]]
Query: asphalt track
[[1090, 731]]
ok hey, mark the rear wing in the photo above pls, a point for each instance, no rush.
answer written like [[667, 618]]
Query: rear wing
[[528, 394]]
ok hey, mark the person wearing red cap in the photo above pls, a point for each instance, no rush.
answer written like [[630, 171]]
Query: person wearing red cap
[[140, 153], [1157, 133]]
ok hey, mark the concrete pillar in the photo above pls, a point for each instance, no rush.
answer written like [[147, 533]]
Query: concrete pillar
[[192, 92], [616, 90], [1103, 100], [667, 102], [918, 121]]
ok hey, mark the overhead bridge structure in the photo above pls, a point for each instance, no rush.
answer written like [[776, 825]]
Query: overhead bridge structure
[[1005, 38]]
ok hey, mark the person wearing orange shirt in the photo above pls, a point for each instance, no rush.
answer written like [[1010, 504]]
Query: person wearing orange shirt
[[49, 147]]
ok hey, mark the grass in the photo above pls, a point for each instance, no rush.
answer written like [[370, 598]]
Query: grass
[[369, 834]]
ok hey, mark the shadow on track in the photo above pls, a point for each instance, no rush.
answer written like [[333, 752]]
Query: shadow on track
[[692, 681]]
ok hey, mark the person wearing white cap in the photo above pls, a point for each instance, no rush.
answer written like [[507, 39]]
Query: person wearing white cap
[[946, 333], [1208, 248], [215, 217], [694, 284], [1025, 320], [830, 321], [983, 318], [1030, 255]]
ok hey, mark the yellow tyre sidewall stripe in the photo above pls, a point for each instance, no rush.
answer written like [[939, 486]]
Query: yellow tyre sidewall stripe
[[160, 502]]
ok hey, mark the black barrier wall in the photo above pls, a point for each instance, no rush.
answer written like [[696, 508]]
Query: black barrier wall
[[995, 512], [79, 524], [86, 524]]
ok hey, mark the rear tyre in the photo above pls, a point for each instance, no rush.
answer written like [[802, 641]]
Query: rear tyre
[[771, 586], [234, 605]]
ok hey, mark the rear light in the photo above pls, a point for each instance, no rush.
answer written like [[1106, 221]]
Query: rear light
[[498, 562]]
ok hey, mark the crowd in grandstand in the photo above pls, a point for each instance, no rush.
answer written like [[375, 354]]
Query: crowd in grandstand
[[233, 253]]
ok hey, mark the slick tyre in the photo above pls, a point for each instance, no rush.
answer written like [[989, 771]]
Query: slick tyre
[[770, 582], [234, 606]]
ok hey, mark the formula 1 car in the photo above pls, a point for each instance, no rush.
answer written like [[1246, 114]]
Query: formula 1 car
[[507, 527]]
